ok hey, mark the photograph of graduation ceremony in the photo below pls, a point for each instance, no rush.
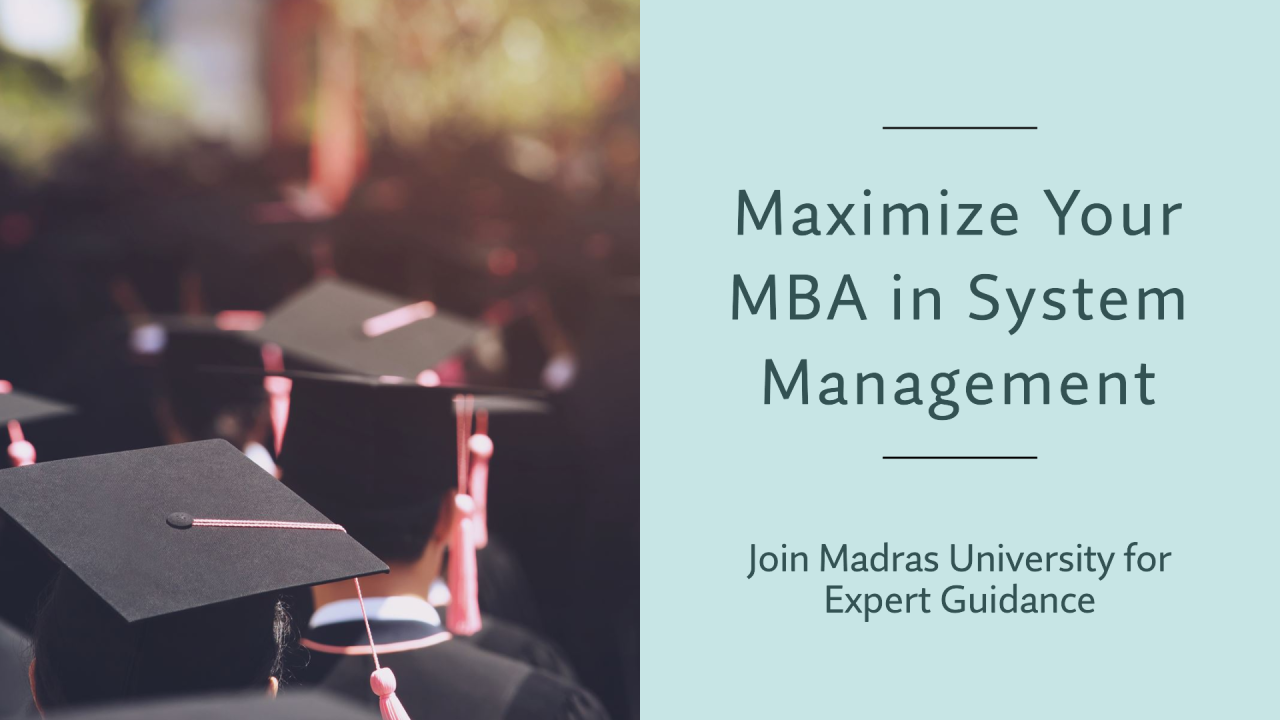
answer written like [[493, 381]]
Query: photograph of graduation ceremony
[[319, 359]]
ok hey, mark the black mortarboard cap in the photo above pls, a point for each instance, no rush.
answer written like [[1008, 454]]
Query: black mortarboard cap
[[117, 522], [150, 334], [17, 408], [187, 349], [24, 407], [199, 397], [345, 327], [378, 453]]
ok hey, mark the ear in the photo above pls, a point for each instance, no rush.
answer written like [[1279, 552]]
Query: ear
[[273, 687], [446, 519], [31, 678]]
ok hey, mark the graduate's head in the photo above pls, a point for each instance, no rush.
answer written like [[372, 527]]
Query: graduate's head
[[381, 455], [170, 579], [377, 457], [389, 459], [86, 653], [196, 405]]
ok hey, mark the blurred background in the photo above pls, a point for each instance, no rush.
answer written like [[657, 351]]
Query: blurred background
[[196, 159]]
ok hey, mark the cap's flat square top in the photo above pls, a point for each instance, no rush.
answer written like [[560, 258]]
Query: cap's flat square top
[[104, 517]]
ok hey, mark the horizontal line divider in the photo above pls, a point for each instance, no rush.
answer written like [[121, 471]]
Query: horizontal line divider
[[959, 127], [960, 457]]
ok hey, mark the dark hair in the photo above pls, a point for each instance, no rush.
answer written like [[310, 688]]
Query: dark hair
[[376, 460], [208, 405], [396, 539], [86, 653], [211, 412], [397, 529]]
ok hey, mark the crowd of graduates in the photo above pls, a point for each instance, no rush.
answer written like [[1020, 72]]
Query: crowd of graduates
[[159, 313]]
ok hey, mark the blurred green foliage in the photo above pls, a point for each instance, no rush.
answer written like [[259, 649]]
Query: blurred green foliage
[[497, 64], [490, 65], [41, 109]]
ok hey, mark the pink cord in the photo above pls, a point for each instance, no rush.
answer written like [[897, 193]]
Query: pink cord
[[469, 411], [464, 434], [272, 524], [373, 649], [278, 389], [464, 611]]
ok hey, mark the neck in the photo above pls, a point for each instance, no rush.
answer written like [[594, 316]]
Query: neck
[[412, 578]]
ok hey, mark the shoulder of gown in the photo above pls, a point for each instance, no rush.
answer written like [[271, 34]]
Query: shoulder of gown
[[543, 697], [513, 641]]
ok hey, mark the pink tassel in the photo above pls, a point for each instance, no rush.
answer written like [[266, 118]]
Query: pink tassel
[[481, 447], [464, 609], [21, 452], [280, 412], [383, 682], [278, 389]]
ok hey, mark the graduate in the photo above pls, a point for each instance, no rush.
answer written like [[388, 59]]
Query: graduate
[[194, 405], [341, 326], [381, 457], [173, 560]]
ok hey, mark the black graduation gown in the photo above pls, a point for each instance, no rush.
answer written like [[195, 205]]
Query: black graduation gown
[[449, 680], [505, 589], [510, 640]]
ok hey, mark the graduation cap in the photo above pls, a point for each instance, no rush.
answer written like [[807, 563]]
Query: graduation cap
[[149, 334], [205, 406], [380, 454], [165, 530], [18, 407], [344, 327], [199, 405]]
